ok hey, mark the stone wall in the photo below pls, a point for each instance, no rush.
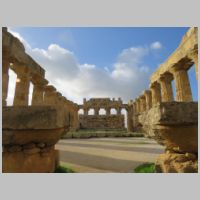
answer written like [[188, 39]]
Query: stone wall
[[172, 120], [30, 131], [101, 122], [108, 120]]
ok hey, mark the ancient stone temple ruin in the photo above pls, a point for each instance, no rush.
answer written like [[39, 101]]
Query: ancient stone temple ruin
[[102, 121], [30, 132], [172, 120]]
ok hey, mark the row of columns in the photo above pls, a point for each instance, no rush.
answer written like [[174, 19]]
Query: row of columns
[[96, 111], [161, 90], [43, 94]]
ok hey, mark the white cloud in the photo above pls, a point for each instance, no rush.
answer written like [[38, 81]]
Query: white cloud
[[156, 45], [127, 77]]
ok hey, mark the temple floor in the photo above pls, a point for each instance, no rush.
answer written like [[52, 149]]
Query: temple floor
[[107, 154]]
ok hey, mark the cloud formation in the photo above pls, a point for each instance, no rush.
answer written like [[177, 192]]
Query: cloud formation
[[127, 77], [156, 45]]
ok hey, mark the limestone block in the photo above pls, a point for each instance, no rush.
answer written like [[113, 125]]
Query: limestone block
[[174, 124], [33, 117], [38, 124], [20, 162], [176, 163], [101, 121]]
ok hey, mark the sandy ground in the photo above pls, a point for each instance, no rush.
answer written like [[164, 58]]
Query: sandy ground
[[107, 154]]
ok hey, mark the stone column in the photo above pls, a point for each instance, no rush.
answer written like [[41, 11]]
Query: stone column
[[156, 93], [22, 89], [134, 107], [148, 98], [130, 118], [195, 60], [96, 111], [58, 97], [107, 111], [118, 111], [137, 105], [142, 103], [5, 81], [38, 92], [49, 95], [182, 84], [85, 110], [166, 87]]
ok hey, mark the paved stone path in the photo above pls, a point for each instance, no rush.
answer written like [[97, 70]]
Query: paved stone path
[[107, 154]]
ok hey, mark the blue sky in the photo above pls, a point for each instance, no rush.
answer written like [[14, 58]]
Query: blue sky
[[99, 54]]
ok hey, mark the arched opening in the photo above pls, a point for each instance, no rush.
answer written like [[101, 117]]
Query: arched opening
[[113, 111], [80, 112], [11, 87], [91, 111], [102, 111], [124, 112], [30, 94]]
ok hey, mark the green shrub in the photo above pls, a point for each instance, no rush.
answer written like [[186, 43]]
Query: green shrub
[[62, 169], [145, 168]]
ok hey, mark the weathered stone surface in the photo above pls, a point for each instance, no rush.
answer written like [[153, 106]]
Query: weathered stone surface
[[20, 162], [110, 121], [188, 45], [29, 146], [41, 145], [173, 124], [33, 117], [14, 148], [22, 137], [176, 163], [31, 151], [101, 121]]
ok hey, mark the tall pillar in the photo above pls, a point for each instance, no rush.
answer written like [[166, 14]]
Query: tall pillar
[[22, 89], [194, 57], [5, 81], [148, 98], [130, 118], [166, 87], [38, 92], [49, 95], [137, 101], [85, 110], [156, 93], [182, 84], [96, 111], [118, 111], [142, 103], [107, 111]]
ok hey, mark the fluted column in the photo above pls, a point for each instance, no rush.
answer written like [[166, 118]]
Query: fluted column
[[5, 81], [166, 87], [148, 98], [38, 92], [22, 89], [182, 84], [49, 95], [156, 93]]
